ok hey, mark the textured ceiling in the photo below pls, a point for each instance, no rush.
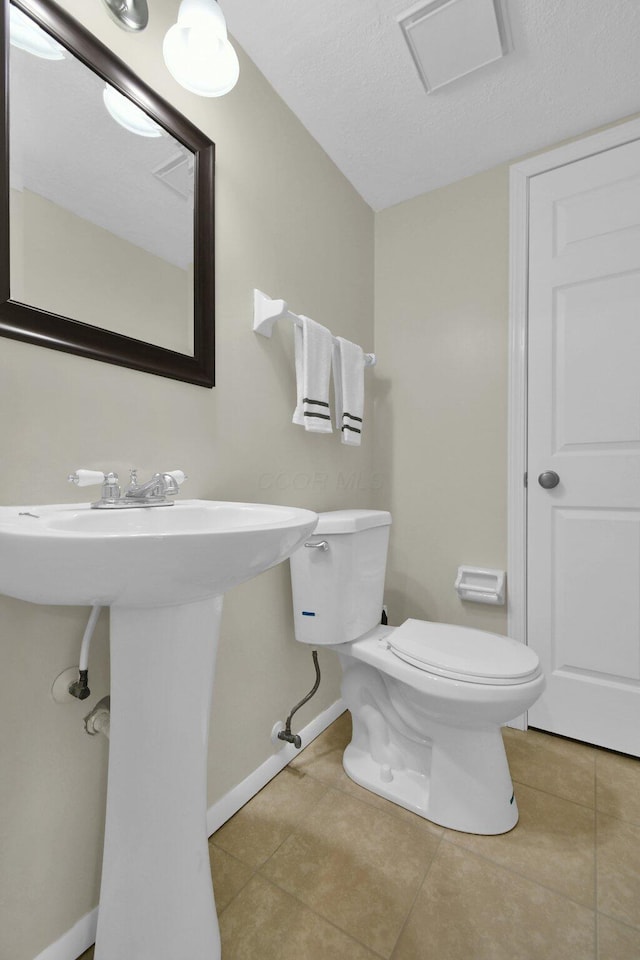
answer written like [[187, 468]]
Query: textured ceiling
[[345, 70]]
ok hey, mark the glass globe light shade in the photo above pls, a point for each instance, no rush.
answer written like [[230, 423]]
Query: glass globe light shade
[[197, 52]]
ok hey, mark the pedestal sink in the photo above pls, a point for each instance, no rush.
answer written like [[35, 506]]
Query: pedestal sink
[[163, 572]]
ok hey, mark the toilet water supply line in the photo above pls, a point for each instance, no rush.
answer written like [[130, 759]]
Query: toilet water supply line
[[80, 688], [286, 734]]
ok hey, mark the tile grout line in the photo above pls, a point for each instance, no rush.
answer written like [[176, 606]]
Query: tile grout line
[[387, 813], [617, 920], [549, 793], [395, 819], [320, 916], [256, 870], [287, 893], [241, 888], [417, 894], [585, 806], [303, 903], [516, 873], [324, 919], [297, 824], [526, 876]]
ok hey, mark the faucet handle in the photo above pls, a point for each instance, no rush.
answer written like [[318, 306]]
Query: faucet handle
[[178, 475], [86, 478]]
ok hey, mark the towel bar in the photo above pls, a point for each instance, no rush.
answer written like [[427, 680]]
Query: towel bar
[[266, 311]]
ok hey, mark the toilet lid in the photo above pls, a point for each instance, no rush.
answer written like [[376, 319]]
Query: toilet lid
[[461, 653]]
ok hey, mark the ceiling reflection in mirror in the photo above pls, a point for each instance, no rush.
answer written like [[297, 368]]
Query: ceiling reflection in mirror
[[101, 205]]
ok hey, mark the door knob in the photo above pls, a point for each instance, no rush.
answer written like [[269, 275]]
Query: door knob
[[549, 479]]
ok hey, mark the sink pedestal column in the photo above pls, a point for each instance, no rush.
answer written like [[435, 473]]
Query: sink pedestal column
[[156, 899]]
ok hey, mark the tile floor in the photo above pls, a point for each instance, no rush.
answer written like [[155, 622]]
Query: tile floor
[[316, 868]]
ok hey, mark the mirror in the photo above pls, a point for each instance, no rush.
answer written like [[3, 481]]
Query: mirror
[[107, 234]]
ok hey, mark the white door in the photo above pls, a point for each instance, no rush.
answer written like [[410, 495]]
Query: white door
[[583, 535]]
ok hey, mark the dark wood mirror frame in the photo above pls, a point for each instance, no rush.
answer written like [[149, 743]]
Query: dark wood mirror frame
[[33, 325]]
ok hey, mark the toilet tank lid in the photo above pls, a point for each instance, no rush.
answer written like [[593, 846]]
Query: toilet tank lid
[[351, 521]]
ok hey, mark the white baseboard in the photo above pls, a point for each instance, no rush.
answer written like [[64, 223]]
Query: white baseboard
[[75, 941], [226, 806], [80, 937]]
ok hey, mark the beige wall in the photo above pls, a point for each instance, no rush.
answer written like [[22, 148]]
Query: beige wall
[[288, 223], [441, 413]]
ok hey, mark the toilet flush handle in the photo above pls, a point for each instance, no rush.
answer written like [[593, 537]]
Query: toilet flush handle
[[319, 545]]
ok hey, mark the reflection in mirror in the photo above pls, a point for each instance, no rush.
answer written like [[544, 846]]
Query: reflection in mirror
[[101, 216], [111, 219]]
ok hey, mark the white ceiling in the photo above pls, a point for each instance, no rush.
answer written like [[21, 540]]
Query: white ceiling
[[345, 70]]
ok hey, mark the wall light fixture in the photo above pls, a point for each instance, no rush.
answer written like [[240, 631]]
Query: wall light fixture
[[128, 14], [197, 51]]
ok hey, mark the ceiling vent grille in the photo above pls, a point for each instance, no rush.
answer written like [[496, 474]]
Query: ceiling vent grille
[[449, 39]]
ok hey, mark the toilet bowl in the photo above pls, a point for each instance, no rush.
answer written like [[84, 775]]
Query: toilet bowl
[[427, 699]]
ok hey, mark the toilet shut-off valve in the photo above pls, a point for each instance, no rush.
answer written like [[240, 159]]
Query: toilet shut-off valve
[[80, 687]]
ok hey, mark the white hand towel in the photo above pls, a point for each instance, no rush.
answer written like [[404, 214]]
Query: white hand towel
[[313, 344], [348, 382]]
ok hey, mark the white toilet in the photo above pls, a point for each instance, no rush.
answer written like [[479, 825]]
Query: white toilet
[[427, 699]]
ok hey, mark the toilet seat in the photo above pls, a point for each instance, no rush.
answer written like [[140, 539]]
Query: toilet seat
[[461, 653]]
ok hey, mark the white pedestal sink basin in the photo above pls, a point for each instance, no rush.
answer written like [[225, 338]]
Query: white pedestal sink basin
[[70, 554], [163, 571]]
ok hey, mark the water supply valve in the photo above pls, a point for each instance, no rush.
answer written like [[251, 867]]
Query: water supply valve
[[80, 687]]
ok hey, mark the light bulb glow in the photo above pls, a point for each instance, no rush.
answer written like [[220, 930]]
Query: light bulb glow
[[27, 35], [197, 52], [129, 115]]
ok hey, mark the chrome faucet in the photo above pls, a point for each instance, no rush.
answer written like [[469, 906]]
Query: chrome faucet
[[156, 492]]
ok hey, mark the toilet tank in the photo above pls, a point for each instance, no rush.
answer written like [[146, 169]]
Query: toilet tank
[[338, 591]]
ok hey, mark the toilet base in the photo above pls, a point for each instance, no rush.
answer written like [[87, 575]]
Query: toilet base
[[453, 773], [407, 788], [448, 794]]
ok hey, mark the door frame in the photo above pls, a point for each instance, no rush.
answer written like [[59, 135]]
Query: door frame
[[520, 175]]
